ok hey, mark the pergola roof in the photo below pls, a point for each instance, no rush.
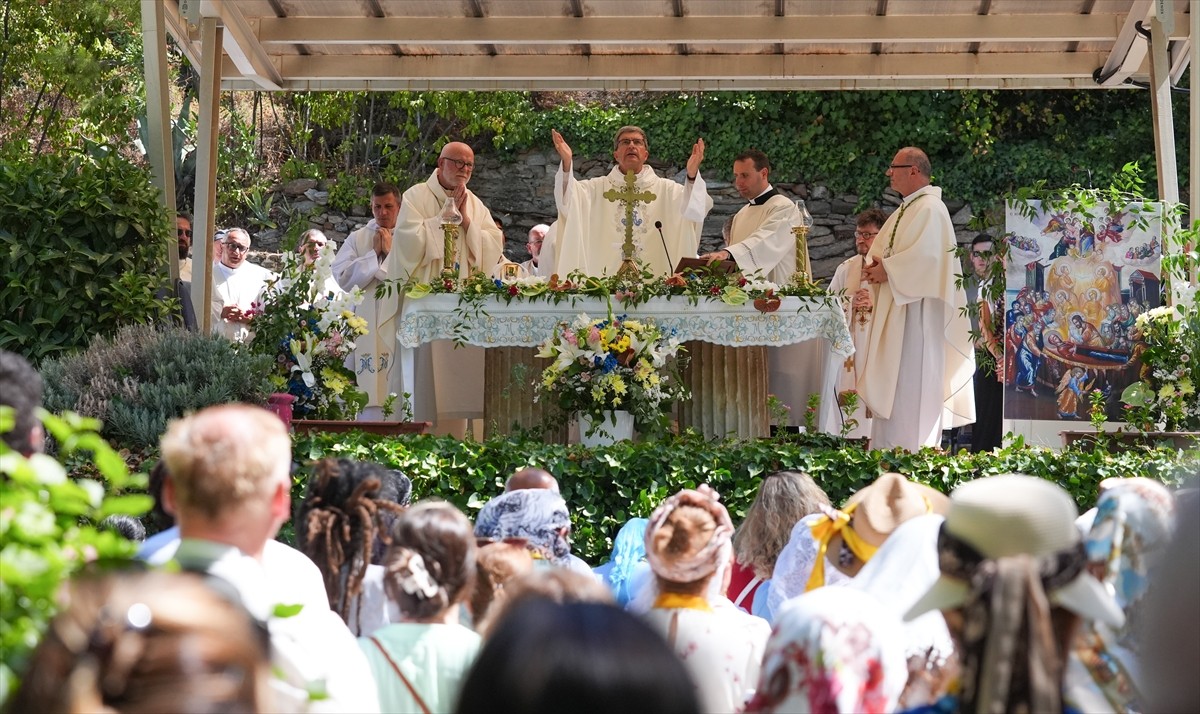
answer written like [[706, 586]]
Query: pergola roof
[[680, 44]]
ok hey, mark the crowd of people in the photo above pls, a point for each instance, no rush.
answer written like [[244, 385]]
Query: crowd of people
[[998, 597]]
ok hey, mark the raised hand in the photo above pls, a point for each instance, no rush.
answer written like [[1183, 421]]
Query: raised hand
[[460, 200], [564, 149], [693, 163]]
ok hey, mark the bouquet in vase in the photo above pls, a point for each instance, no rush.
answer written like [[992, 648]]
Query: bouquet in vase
[[614, 364], [1164, 397], [307, 324]]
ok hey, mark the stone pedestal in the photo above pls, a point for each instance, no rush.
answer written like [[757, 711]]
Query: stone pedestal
[[509, 374], [729, 391]]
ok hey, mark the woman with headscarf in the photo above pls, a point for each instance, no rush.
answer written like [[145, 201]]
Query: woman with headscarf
[[688, 547], [1130, 532], [537, 515], [626, 570], [1013, 587], [833, 650], [830, 547]]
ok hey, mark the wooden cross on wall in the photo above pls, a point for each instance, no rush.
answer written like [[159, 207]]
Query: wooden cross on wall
[[630, 197]]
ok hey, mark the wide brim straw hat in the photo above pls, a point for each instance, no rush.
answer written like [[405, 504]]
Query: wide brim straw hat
[[889, 501], [1003, 516]]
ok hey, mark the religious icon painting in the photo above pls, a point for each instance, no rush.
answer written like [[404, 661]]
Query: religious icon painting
[[1076, 281]]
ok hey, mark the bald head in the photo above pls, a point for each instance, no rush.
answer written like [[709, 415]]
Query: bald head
[[455, 164], [531, 479]]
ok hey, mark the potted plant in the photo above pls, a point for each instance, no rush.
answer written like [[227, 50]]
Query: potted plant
[[613, 375]]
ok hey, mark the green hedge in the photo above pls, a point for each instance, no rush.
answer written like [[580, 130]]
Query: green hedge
[[604, 487]]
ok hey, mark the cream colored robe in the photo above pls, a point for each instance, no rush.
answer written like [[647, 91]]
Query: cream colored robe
[[357, 265], [591, 229], [848, 277], [243, 287], [446, 383], [900, 385], [761, 239]]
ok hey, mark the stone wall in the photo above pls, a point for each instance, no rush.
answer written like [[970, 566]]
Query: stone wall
[[520, 193]]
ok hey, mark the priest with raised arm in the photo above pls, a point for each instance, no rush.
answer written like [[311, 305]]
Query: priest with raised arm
[[920, 358], [592, 227], [446, 384]]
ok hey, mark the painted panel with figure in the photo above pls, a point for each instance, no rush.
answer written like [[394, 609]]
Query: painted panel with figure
[[1076, 282]]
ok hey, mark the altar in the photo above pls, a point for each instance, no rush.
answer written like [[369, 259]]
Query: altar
[[728, 346]]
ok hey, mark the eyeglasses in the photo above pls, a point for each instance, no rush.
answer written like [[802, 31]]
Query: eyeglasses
[[183, 232], [535, 242], [865, 234], [631, 142], [901, 166], [460, 164], [237, 248]]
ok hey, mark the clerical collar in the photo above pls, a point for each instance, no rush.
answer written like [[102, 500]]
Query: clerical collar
[[765, 196]]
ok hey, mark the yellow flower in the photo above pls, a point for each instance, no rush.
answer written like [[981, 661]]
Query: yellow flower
[[1166, 392], [623, 344], [598, 393], [618, 385], [1186, 388]]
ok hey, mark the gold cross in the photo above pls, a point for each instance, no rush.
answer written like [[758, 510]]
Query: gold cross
[[629, 196]]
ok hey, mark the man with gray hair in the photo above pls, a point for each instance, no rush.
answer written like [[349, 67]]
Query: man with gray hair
[[541, 251], [230, 490], [666, 226], [237, 286]]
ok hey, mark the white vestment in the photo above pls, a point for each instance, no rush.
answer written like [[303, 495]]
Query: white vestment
[[761, 239], [919, 330], [848, 277], [185, 269], [591, 228], [357, 265], [445, 382], [242, 286]]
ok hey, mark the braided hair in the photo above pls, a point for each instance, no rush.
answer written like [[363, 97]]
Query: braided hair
[[344, 524]]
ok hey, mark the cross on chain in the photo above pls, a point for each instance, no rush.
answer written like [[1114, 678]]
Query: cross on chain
[[630, 197]]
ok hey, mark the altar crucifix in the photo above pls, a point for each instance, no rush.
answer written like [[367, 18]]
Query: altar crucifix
[[630, 197]]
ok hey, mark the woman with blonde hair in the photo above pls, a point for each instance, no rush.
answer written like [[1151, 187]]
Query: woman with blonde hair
[[419, 663], [688, 547], [148, 642], [783, 499]]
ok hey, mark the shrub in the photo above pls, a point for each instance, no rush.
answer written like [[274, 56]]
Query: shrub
[[83, 239], [49, 530], [137, 380], [607, 486]]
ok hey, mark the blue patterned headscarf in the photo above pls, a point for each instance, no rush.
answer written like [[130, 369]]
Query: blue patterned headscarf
[[535, 514], [629, 549]]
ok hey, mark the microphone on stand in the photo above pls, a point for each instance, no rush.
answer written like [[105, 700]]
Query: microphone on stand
[[670, 263]]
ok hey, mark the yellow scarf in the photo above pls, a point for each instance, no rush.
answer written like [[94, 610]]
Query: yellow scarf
[[823, 531], [676, 601]]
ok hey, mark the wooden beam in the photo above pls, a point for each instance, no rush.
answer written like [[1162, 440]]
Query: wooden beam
[[1130, 49], [1194, 123], [158, 112], [244, 49], [211, 40], [673, 67], [178, 28], [794, 29], [1163, 120]]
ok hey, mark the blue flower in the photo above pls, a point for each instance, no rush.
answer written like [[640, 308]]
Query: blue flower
[[610, 363]]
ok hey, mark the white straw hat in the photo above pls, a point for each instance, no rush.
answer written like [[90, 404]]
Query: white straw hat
[[1002, 516]]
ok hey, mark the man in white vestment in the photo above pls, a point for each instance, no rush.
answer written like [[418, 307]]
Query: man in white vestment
[[858, 305], [361, 262], [237, 286], [920, 359], [446, 383], [760, 238], [591, 228], [541, 260], [230, 490]]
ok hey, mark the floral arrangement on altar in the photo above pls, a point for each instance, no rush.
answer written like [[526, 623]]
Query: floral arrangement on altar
[[308, 326], [614, 364], [1164, 398], [630, 291]]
